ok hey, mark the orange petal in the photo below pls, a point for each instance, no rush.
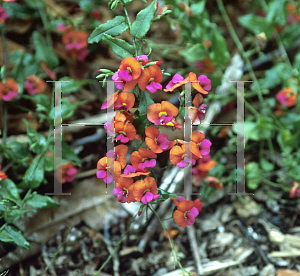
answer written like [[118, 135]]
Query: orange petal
[[130, 131], [169, 108], [135, 159], [138, 190], [129, 85], [185, 205], [150, 143], [150, 184], [208, 165], [197, 136], [155, 72], [144, 79], [198, 100], [124, 183], [153, 112], [176, 155], [179, 218], [125, 99], [11, 83], [119, 117], [145, 153], [195, 83], [152, 132], [186, 80], [195, 150]]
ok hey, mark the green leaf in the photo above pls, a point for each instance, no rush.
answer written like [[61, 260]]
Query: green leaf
[[68, 153], [198, 8], [35, 4], [145, 102], [275, 76], [196, 52], [73, 85], [266, 165], [126, 2], [143, 20], [86, 5], [43, 51], [15, 10], [290, 34], [257, 24], [252, 175], [17, 151], [112, 27], [119, 46], [163, 196], [17, 237], [140, 123], [14, 214], [42, 101], [34, 175], [42, 202], [277, 13], [218, 52], [9, 190], [37, 141]]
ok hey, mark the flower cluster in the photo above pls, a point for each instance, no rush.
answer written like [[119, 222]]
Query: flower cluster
[[135, 181]]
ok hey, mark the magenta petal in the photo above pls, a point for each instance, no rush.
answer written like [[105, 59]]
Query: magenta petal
[[155, 197], [150, 163], [180, 198], [104, 106], [110, 154], [108, 179], [205, 147], [147, 198], [124, 75], [117, 191], [190, 219], [181, 164], [129, 169], [101, 174], [204, 82], [143, 57], [194, 211]]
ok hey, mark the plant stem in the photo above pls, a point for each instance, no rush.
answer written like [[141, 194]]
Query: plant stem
[[240, 47], [119, 243], [5, 50], [62, 244], [129, 23]]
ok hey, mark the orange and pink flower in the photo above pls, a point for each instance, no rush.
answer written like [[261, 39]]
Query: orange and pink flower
[[181, 157], [127, 75], [68, 172], [287, 97], [124, 190], [119, 154], [75, 41], [34, 85], [8, 90], [143, 158], [186, 211], [200, 85], [157, 142], [150, 79], [107, 173], [161, 114], [131, 172], [197, 113], [199, 145], [145, 190], [205, 164]]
